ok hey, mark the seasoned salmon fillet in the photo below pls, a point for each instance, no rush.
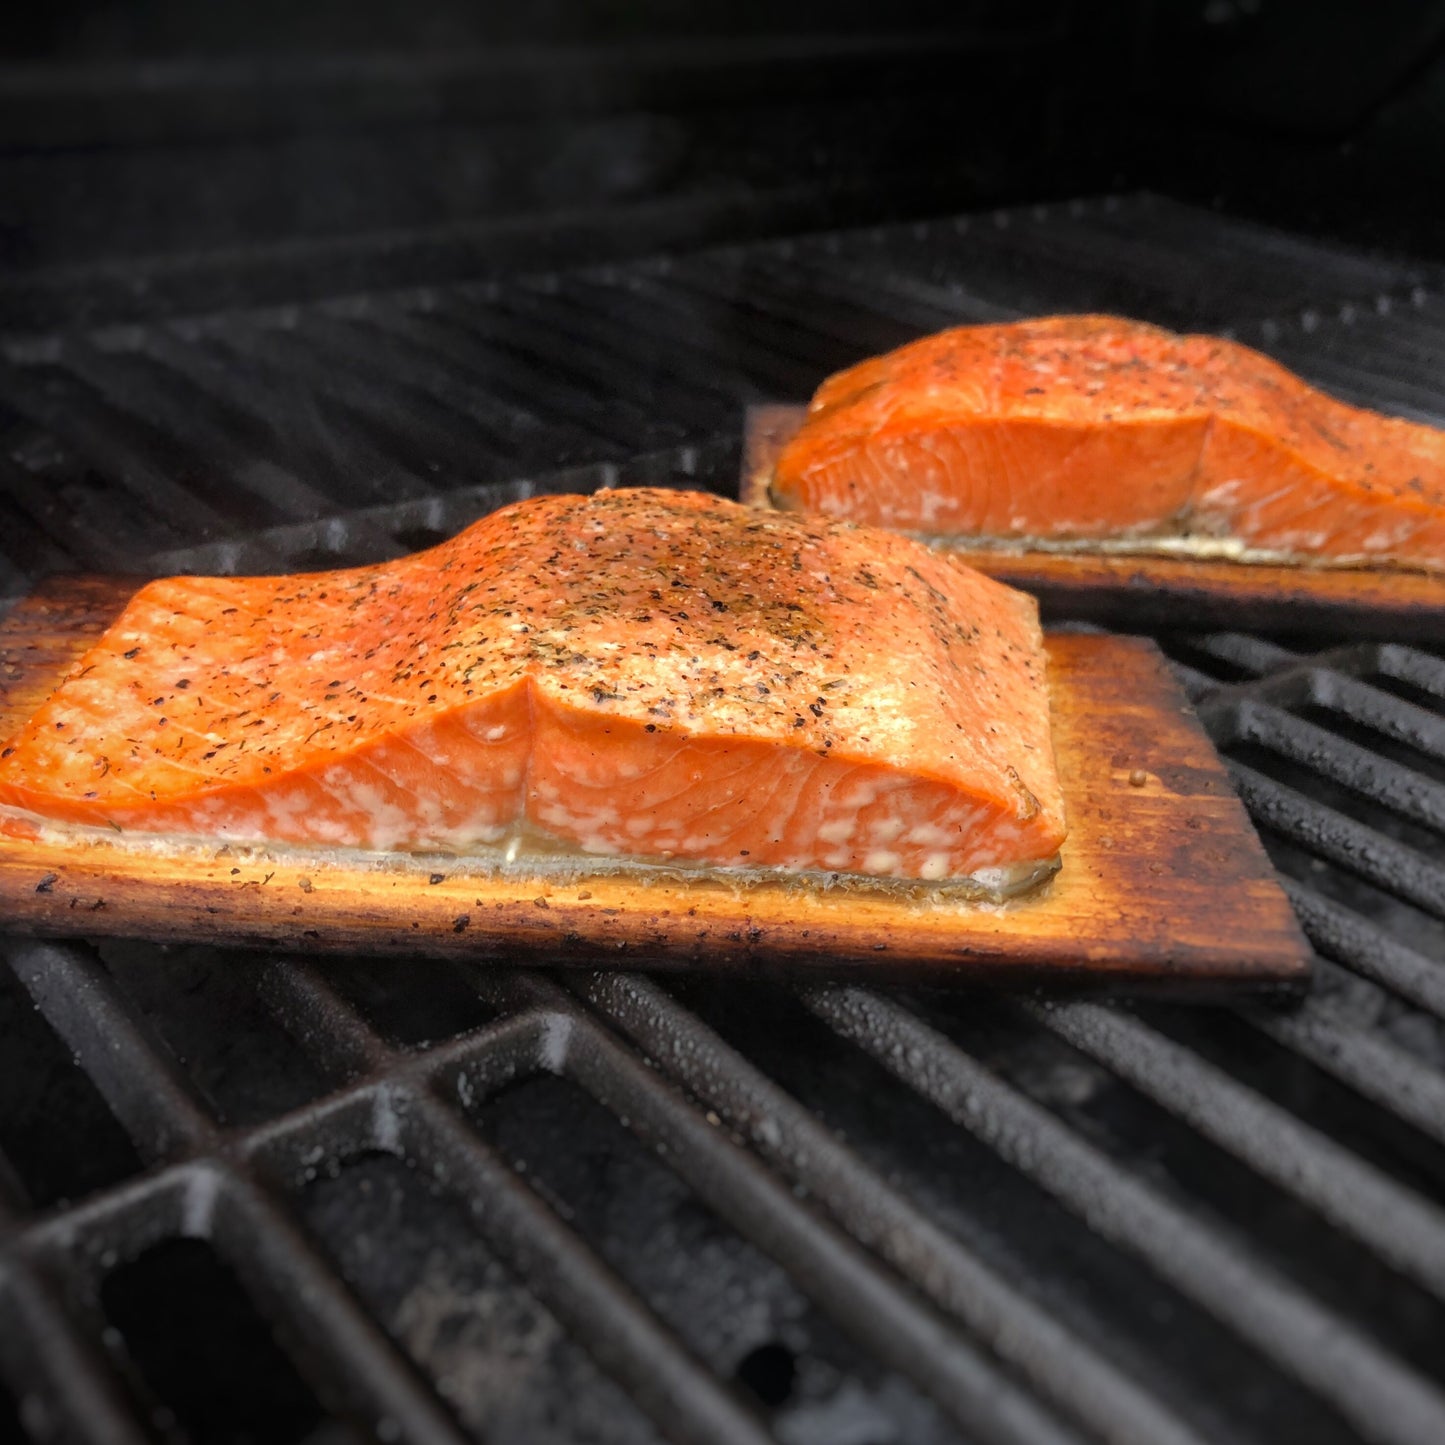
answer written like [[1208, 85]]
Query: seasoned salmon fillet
[[661, 675], [1095, 427]]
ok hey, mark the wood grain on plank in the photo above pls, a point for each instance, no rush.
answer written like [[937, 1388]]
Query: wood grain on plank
[[1143, 593], [1163, 877]]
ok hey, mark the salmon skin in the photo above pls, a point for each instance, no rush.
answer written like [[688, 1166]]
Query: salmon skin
[[1097, 431], [652, 674]]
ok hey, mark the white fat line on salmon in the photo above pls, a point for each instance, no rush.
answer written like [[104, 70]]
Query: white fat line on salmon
[[529, 856], [1198, 547]]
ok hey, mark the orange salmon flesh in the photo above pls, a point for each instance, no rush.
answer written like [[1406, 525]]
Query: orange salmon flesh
[[644, 673], [1095, 427]]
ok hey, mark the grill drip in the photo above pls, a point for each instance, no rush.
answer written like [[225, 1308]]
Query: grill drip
[[432, 1202]]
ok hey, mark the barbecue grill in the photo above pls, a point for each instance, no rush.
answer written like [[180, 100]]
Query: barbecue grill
[[270, 1198]]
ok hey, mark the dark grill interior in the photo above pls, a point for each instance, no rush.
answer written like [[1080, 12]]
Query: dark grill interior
[[264, 1199]]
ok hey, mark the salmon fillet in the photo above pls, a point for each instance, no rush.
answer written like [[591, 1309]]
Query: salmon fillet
[[653, 674], [1095, 427]]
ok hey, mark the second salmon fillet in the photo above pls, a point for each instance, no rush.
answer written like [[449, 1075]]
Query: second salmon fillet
[[650, 674], [1096, 429]]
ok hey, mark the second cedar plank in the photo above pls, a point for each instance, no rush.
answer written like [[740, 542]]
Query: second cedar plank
[[1165, 881], [1139, 593]]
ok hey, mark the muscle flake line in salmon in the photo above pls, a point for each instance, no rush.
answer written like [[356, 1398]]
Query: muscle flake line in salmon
[[1094, 428], [654, 674]]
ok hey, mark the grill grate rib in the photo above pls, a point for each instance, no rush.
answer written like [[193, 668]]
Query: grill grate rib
[[1395, 786], [77, 1392], [1059, 1365], [1329, 834], [1400, 1228], [1379, 1071], [827, 1266], [363, 1365], [1381, 1399], [1343, 935]]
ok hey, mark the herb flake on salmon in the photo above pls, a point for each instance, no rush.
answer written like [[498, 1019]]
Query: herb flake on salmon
[[650, 674], [1096, 431]]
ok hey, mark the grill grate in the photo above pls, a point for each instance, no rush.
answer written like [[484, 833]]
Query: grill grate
[[189, 437], [472, 1202]]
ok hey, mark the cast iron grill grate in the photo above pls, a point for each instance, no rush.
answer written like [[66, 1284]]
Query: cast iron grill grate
[[206, 438], [340, 1201]]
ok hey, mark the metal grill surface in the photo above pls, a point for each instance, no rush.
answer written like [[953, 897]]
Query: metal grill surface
[[271, 1198], [197, 438]]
